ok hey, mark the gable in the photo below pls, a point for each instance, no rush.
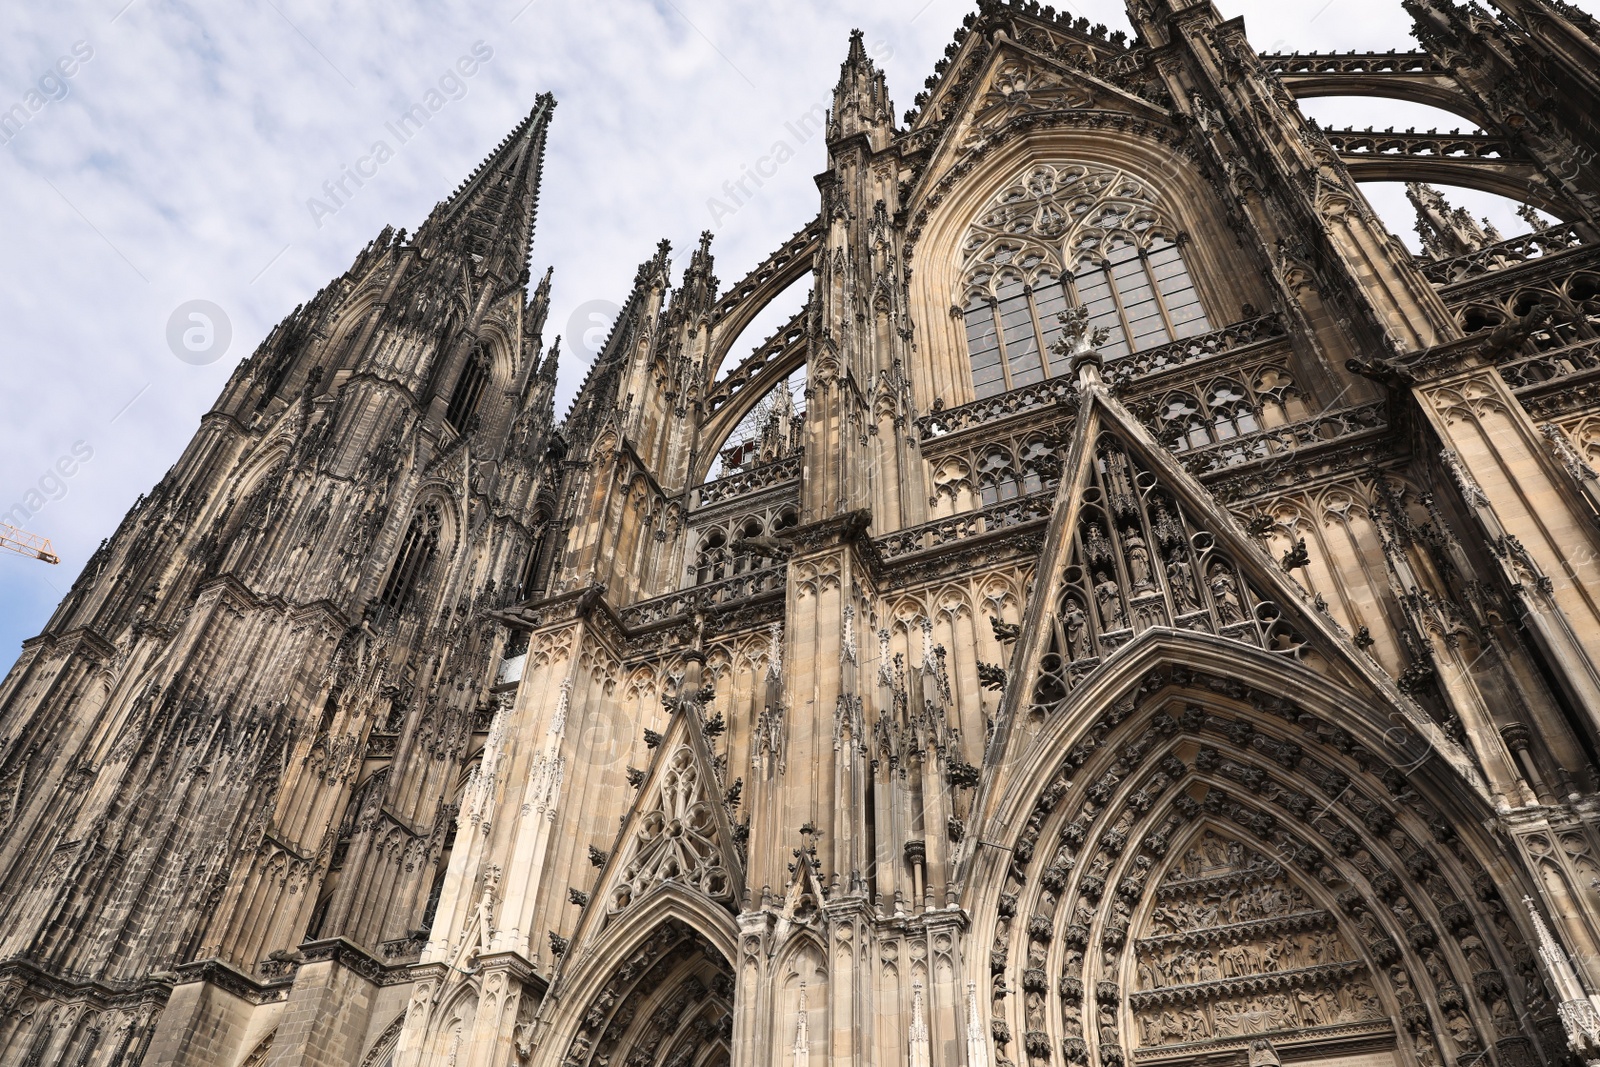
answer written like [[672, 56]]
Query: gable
[[677, 833], [1136, 547], [1018, 89]]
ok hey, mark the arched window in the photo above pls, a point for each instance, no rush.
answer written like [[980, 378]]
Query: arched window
[[1182, 424], [997, 476], [1039, 464], [469, 387], [1143, 292], [1125, 267], [711, 561], [749, 561], [1232, 413], [417, 549], [530, 569]]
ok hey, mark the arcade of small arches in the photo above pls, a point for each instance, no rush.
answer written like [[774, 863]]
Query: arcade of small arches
[[722, 549]]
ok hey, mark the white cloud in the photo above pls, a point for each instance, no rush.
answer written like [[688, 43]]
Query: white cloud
[[179, 164]]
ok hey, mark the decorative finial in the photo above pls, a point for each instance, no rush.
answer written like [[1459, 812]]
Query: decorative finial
[[1079, 345]]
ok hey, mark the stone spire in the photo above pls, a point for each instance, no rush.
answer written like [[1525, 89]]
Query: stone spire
[[539, 306], [977, 1045], [548, 369], [918, 1035], [861, 103], [1447, 232], [1577, 1011], [693, 300], [490, 216], [802, 1034], [598, 396]]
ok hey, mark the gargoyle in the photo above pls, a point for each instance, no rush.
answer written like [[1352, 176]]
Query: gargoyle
[[1507, 337], [991, 677], [1298, 556], [1382, 370], [763, 545]]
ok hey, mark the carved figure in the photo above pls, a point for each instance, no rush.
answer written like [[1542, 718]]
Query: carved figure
[[1180, 579], [1076, 627], [1310, 1008], [1138, 563], [1112, 617], [1225, 595]]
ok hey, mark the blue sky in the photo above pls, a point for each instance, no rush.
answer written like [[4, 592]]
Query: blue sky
[[176, 163]]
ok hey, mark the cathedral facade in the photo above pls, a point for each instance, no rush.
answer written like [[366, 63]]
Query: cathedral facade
[[1135, 613]]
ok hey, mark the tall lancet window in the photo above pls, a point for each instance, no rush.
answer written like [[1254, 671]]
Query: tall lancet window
[[1071, 233], [417, 549], [469, 387]]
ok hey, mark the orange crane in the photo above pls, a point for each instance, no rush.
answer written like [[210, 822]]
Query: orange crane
[[26, 544]]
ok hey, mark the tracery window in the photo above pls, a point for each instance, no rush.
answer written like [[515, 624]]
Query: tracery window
[[1064, 234], [997, 476], [1232, 414], [469, 387], [734, 547], [417, 549]]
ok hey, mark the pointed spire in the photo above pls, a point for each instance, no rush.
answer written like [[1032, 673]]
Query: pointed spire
[[657, 270], [977, 1043], [861, 99], [1535, 221], [549, 368], [918, 1036], [802, 1034], [539, 306], [858, 51], [1446, 232], [1576, 1011], [775, 650], [697, 295], [490, 216]]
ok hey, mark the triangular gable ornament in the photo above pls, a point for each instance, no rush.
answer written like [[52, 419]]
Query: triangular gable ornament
[[802, 901], [678, 830], [1136, 543]]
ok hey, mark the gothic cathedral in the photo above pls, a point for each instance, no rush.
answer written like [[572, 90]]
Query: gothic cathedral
[[1136, 613]]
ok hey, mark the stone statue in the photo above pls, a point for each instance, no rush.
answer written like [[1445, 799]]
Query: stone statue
[[1112, 617], [1226, 595], [1138, 563], [1076, 627]]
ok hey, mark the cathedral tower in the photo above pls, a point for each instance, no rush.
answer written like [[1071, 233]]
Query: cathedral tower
[[238, 737]]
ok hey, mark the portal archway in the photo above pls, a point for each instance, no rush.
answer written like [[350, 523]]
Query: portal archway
[[654, 988], [1210, 864]]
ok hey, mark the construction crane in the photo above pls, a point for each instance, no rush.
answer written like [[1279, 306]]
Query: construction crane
[[24, 543]]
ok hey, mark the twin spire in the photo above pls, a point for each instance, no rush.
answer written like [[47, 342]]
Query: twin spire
[[490, 216]]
